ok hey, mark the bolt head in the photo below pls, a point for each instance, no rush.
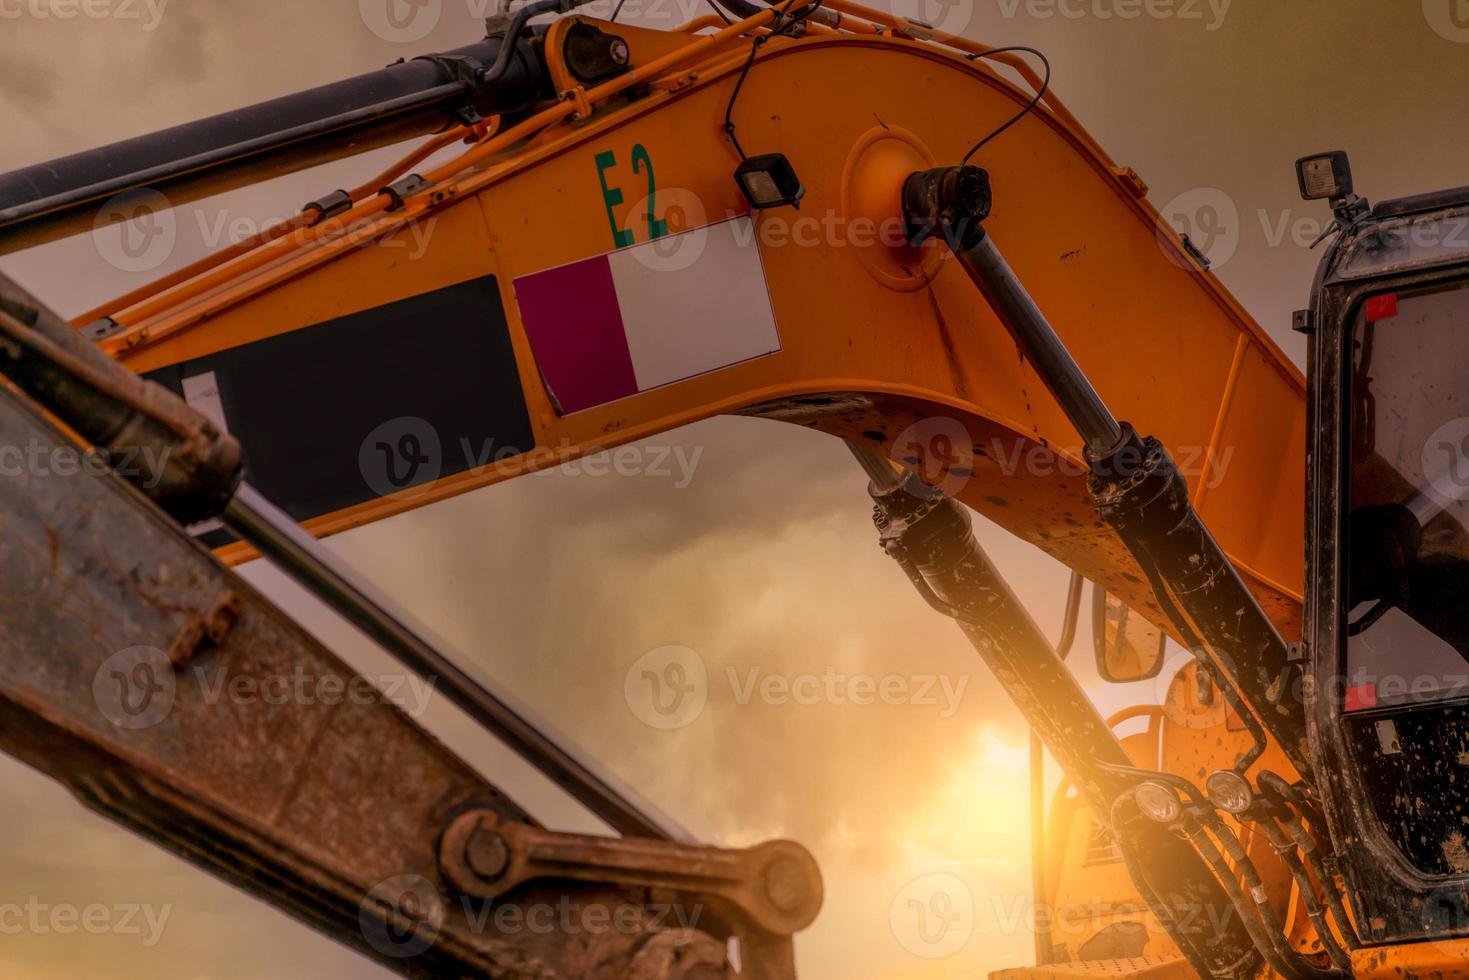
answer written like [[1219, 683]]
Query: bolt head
[[785, 885], [487, 854]]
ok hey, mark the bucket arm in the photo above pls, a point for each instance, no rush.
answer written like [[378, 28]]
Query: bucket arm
[[169, 695]]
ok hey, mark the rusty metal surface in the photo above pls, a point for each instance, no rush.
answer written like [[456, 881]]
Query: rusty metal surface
[[172, 697], [169, 450], [776, 886]]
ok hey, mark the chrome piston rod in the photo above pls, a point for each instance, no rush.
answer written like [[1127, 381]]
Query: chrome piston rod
[[1025, 322]]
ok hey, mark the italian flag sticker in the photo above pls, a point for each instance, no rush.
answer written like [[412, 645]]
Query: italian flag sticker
[[649, 315]]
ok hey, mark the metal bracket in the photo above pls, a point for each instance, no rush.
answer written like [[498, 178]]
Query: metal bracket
[[401, 190], [100, 330], [333, 204], [775, 887], [471, 71], [1195, 252], [581, 105]]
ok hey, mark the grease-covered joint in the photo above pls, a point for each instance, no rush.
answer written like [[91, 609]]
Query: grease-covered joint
[[1140, 493], [592, 54], [172, 453], [953, 201]]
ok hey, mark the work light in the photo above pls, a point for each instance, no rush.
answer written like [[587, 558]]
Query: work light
[[769, 181], [1325, 176], [1229, 791], [1159, 802]]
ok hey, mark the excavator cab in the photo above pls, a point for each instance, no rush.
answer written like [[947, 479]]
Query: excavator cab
[[1387, 621]]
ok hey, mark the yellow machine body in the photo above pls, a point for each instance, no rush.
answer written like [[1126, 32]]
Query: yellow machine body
[[879, 342]]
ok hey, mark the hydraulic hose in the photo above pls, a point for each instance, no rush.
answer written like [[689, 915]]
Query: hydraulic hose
[[1255, 912], [1283, 793], [1288, 853]]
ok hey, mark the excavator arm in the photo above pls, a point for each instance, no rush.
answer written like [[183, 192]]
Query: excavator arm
[[651, 228], [858, 334]]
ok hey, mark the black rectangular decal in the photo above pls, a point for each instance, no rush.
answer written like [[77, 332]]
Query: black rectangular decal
[[371, 404]]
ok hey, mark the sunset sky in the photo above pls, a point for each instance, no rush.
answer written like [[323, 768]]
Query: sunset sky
[[557, 585]]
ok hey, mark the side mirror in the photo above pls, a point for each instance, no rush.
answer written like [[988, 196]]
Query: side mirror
[[1128, 647]]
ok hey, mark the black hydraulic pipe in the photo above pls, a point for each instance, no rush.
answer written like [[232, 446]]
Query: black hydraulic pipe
[[1266, 941], [1137, 836], [1198, 820], [930, 536], [1278, 790], [1141, 494], [411, 98], [1018, 313], [282, 541], [1288, 852], [1245, 868]]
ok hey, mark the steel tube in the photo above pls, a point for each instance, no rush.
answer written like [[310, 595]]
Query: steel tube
[[281, 540], [1028, 326], [1139, 492], [876, 466], [931, 537], [412, 98]]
